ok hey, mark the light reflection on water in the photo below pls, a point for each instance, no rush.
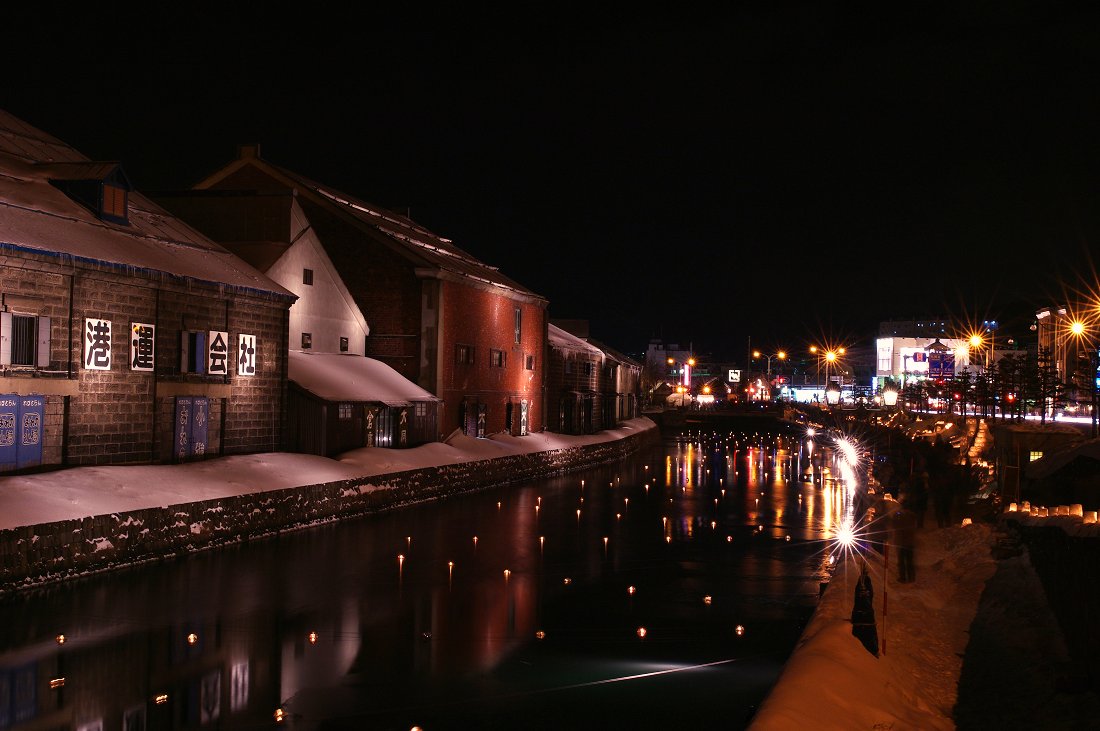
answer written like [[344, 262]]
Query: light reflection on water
[[509, 607]]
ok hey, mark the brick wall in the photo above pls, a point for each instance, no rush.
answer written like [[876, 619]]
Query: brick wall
[[485, 320], [31, 555]]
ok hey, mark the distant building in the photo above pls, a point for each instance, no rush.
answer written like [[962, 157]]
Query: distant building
[[126, 336], [618, 382], [589, 387]]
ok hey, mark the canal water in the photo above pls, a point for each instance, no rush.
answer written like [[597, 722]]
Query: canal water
[[666, 590]]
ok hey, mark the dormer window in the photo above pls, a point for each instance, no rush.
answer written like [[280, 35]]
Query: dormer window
[[101, 187]]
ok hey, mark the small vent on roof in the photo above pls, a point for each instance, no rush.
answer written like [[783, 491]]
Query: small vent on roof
[[101, 187]]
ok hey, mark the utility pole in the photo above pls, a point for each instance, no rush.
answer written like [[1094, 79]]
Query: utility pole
[[748, 358]]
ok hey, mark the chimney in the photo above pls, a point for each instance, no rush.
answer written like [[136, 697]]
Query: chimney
[[248, 152]]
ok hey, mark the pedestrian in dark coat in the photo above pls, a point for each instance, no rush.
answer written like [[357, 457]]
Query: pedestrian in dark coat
[[903, 532], [918, 496], [863, 613], [942, 495]]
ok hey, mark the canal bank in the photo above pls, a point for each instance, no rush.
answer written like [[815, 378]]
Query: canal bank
[[972, 643], [94, 519]]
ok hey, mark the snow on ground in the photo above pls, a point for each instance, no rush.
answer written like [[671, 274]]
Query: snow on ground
[[833, 682], [971, 644], [86, 491]]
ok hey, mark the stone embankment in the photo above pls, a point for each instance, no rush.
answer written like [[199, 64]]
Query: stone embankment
[[37, 554], [1065, 550]]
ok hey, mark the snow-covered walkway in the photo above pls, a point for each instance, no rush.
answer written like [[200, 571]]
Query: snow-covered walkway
[[971, 644]]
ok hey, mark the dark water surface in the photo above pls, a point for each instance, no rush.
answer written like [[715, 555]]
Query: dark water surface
[[517, 607]]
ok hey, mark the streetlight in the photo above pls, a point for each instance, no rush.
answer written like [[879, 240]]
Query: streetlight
[[685, 371], [1080, 331], [779, 354], [889, 395], [831, 358]]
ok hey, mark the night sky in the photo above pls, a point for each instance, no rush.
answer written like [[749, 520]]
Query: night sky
[[789, 172]]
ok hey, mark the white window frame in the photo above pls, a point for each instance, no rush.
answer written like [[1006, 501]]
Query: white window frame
[[42, 337]]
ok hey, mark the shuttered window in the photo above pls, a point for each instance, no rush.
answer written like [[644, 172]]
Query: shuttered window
[[24, 340]]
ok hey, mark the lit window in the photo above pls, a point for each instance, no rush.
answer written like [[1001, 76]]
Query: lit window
[[1034, 455], [464, 354], [530, 363], [307, 277], [519, 325], [421, 408], [345, 412], [496, 358], [114, 201]]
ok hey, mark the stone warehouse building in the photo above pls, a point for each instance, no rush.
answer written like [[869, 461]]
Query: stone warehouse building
[[589, 386], [449, 323], [125, 335]]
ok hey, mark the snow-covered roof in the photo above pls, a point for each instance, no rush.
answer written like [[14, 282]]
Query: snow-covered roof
[[37, 217], [564, 341], [1050, 464], [404, 235], [344, 377]]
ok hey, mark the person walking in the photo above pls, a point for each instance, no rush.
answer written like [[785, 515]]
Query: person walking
[[942, 496], [918, 497], [863, 612], [903, 530], [880, 526]]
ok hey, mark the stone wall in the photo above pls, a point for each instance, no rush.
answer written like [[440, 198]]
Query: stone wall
[[127, 416], [32, 555]]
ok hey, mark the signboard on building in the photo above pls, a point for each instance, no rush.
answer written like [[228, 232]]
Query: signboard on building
[[217, 353], [734, 375], [246, 355], [97, 344], [142, 341]]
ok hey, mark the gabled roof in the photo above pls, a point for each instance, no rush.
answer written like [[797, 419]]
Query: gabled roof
[[420, 246], [579, 330], [86, 171], [36, 217], [566, 342]]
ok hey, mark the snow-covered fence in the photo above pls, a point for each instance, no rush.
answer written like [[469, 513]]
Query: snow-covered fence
[[32, 555]]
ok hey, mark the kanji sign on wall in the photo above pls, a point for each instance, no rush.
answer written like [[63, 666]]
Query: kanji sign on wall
[[217, 362], [142, 338], [246, 355], [97, 344]]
